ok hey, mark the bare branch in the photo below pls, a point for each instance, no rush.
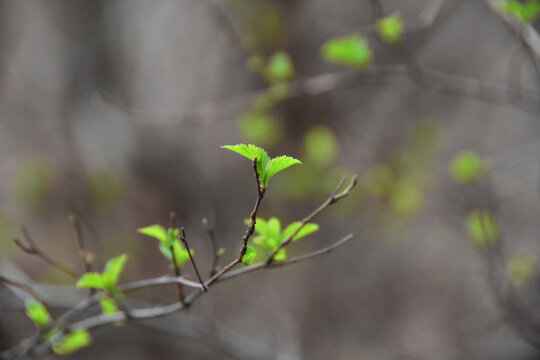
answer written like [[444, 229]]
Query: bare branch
[[27, 289], [335, 197], [33, 249], [183, 238], [209, 228], [250, 229]]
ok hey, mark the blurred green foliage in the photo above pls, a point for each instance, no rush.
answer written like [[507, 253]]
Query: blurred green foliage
[[467, 167], [526, 12], [260, 127], [352, 51], [320, 146], [72, 342], [261, 24], [105, 187], [390, 29], [483, 228], [521, 267], [34, 182], [38, 313], [279, 67], [249, 256], [401, 181]]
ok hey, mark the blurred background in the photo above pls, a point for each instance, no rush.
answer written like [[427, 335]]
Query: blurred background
[[116, 110]]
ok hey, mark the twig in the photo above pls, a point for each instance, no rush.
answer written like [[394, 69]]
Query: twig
[[335, 197], [160, 311], [427, 16], [164, 280], [177, 271], [86, 256], [27, 289], [33, 249], [183, 238], [251, 228], [209, 228]]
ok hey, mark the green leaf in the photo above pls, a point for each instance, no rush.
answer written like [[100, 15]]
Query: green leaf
[[180, 253], [467, 167], [526, 12], [250, 151], [483, 228], [261, 226], [390, 29], [279, 68], [108, 305], [38, 313], [155, 231], [172, 236], [249, 256], [320, 146], [72, 342], [305, 231], [521, 267], [279, 163], [352, 51], [274, 228], [91, 280], [281, 255], [112, 271]]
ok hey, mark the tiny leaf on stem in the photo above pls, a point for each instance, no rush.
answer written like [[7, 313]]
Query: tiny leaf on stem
[[72, 342], [38, 313]]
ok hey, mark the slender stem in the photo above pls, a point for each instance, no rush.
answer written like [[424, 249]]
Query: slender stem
[[183, 238], [27, 289], [335, 197], [86, 256], [210, 230], [250, 229], [33, 249]]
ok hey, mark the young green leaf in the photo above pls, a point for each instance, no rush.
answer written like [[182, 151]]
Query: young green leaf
[[249, 256], [525, 12], [279, 68], [352, 51], [155, 231], [266, 168], [521, 267], [108, 305], [38, 313], [274, 228], [483, 228], [252, 151], [112, 271], [180, 253], [305, 231], [172, 236], [281, 255], [72, 342], [390, 29], [467, 167], [91, 280], [280, 163]]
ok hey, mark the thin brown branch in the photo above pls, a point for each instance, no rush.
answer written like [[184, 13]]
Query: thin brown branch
[[183, 238], [85, 255], [33, 249], [250, 229], [160, 311], [27, 289], [209, 228], [335, 197]]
